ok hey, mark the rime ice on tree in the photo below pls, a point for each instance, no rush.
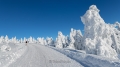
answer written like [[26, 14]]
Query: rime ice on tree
[[97, 37]]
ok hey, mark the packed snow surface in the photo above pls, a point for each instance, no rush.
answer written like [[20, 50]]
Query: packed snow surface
[[42, 56]]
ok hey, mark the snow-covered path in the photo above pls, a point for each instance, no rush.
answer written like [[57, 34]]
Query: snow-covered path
[[42, 56]]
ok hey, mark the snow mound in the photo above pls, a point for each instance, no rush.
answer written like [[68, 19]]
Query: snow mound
[[5, 48], [10, 53]]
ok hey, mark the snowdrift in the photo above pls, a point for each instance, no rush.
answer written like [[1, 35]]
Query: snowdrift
[[88, 60], [10, 52]]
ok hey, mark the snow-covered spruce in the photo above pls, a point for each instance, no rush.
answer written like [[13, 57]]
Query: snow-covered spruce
[[99, 37], [73, 42], [60, 40], [75, 39], [49, 41]]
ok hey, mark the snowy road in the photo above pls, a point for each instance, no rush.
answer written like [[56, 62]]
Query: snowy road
[[42, 56]]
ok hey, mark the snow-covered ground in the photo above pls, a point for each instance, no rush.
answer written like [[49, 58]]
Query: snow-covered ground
[[10, 52], [88, 60], [42, 56], [36, 55]]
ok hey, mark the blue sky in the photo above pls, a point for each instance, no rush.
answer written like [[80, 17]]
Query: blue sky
[[42, 18]]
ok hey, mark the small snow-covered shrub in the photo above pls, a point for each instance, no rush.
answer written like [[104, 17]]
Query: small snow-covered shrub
[[5, 48]]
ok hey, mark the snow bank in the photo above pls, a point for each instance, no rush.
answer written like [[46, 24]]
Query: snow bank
[[5, 48], [88, 60], [10, 52]]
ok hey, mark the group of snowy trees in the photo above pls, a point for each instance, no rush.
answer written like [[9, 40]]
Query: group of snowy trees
[[73, 41], [7, 40], [99, 38], [47, 41], [61, 41]]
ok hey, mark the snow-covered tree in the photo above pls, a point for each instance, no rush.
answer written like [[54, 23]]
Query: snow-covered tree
[[34, 40], [97, 36], [117, 24], [75, 39], [78, 39], [30, 39], [116, 37], [67, 41], [72, 40], [25, 40], [2, 39], [41, 41], [49, 41], [21, 40], [60, 40], [6, 39]]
